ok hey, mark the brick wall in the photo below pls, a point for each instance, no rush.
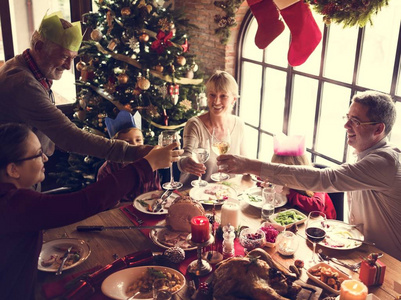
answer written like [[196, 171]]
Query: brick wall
[[204, 43]]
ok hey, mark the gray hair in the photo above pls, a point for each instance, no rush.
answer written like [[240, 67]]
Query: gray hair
[[381, 108]]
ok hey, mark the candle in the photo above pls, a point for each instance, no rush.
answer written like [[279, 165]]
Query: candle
[[200, 229], [230, 214], [353, 290]]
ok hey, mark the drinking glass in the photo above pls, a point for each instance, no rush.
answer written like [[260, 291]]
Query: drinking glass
[[166, 138], [220, 145], [315, 230], [201, 155], [268, 202]]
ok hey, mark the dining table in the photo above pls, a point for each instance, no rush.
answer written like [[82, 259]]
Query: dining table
[[107, 246]]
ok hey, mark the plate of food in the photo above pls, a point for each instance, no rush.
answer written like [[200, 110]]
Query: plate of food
[[138, 281], [144, 202], [253, 197], [167, 237], [213, 193], [340, 236], [288, 217], [52, 253], [327, 277]]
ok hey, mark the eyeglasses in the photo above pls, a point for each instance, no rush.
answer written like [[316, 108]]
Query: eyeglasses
[[40, 154], [358, 123]]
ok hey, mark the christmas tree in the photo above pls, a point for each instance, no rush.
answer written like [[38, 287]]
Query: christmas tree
[[138, 60]]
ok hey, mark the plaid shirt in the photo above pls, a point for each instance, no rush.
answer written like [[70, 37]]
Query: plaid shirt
[[47, 83]]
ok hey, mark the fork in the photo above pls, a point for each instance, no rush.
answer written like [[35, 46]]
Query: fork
[[353, 267], [139, 220]]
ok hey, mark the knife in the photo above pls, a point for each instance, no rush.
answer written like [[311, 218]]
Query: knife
[[362, 241], [64, 259], [101, 228], [158, 205]]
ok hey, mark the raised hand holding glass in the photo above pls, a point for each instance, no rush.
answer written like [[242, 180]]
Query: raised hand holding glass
[[220, 145], [201, 155], [166, 138]]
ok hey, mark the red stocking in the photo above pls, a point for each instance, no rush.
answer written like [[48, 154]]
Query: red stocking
[[269, 25], [305, 34]]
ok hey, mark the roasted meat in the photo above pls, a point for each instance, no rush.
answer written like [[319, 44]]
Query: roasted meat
[[255, 276]]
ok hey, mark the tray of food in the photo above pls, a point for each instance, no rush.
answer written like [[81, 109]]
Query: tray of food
[[327, 277]]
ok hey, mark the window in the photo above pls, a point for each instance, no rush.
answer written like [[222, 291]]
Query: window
[[312, 98]]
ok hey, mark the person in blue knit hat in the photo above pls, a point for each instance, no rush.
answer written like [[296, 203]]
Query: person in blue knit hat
[[124, 127]]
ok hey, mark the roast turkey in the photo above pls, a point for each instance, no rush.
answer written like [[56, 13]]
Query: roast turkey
[[255, 276], [181, 211]]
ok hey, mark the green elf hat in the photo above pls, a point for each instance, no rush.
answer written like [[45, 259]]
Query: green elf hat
[[52, 30]]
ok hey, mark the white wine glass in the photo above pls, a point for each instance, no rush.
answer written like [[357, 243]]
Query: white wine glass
[[201, 155], [315, 230], [166, 138], [220, 145]]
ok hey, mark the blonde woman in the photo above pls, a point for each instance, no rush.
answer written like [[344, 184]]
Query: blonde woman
[[222, 93]]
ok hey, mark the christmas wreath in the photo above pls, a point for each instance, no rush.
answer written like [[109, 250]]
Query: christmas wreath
[[347, 12]]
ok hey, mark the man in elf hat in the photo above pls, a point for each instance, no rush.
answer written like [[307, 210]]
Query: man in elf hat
[[124, 127], [372, 182], [26, 96]]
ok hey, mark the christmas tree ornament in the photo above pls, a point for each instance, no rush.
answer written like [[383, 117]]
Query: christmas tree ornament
[[87, 73], [165, 117], [82, 102], [122, 78], [152, 110], [181, 60], [269, 24], [81, 114], [201, 100], [305, 33], [171, 68], [143, 83], [189, 74], [110, 87], [164, 24], [96, 35], [186, 104], [175, 254], [159, 68], [163, 90], [137, 91], [143, 37], [109, 18], [80, 65], [185, 46], [194, 67], [112, 45], [125, 11], [174, 91], [162, 41], [133, 43], [173, 29], [149, 8]]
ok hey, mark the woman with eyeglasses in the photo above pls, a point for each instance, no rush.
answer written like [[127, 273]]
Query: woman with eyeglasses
[[24, 213]]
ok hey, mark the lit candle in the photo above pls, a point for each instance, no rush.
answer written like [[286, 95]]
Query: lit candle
[[200, 229], [353, 290], [230, 214]]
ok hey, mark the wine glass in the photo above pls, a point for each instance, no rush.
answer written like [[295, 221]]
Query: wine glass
[[315, 230], [220, 145], [201, 155], [166, 138]]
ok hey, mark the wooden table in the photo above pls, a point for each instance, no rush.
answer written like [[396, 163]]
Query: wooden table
[[106, 245]]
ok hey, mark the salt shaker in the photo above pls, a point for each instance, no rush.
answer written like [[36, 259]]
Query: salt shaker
[[228, 242]]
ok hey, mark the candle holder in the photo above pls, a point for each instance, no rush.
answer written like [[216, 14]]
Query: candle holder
[[200, 267]]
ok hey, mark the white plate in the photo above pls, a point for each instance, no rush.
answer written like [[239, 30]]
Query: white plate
[[337, 236], [212, 192], [58, 247], [166, 238], [321, 283], [150, 198], [253, 197], [304, 217], [116, 285]]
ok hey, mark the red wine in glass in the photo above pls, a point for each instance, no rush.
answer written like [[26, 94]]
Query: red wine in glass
[[315, 235]]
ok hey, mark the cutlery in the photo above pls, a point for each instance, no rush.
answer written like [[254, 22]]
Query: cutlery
[[328, 262], [354, 267], [139, 220], [158, 205], [362, 241], [64, 259], [101, 228]]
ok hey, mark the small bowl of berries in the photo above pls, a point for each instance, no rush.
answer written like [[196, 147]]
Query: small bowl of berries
[[251, 238], [271, 232]]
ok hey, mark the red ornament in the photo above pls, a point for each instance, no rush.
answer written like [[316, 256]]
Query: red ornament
[[165, 117], [162, 42]]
